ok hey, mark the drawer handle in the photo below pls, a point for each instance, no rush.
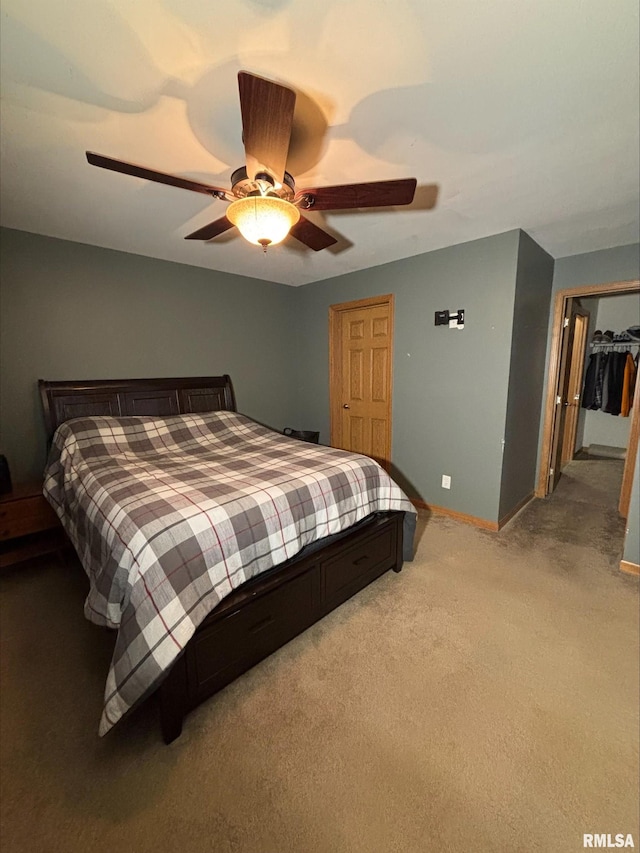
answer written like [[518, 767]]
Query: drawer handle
[[360, 560], [260, 626]]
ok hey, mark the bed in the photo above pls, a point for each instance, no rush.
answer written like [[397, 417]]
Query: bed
[[209, 540]]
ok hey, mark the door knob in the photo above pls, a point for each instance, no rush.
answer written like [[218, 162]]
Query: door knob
[[346, 406]]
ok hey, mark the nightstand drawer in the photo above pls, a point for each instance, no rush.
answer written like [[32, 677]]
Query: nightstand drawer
[[25, 516]]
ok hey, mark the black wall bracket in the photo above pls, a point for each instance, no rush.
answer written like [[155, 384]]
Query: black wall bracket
[[444, 317]]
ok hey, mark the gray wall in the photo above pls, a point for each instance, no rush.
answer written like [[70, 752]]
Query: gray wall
[[619, 264], [71, 311], [526, 377], [449, 386]]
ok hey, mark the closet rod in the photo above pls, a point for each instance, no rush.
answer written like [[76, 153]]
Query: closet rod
[[621, 344]]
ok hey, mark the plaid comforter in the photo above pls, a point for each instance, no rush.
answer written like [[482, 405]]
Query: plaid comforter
[[169, 515]]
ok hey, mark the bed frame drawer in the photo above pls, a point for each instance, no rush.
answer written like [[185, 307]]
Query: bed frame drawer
[[270, 610], [343, 575], [231, 645]]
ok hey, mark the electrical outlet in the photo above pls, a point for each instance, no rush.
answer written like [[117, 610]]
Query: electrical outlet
[[446, 481]]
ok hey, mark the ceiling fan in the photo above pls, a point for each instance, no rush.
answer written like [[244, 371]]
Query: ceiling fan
[[264, 202]]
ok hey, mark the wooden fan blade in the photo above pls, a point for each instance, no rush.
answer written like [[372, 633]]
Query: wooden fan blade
[[374, 194], [213, 229], [151, 175], [311, 235], [267, 118]]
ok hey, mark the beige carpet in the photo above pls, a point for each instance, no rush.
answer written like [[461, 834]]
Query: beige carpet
[[486, 699]]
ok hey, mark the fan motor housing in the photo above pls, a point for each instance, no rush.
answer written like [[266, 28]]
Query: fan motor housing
[[263, 184]]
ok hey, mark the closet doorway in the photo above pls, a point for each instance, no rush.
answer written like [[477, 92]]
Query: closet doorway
[[565, 366]]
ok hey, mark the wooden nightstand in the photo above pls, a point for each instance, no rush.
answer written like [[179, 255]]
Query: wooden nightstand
[[28, 525]]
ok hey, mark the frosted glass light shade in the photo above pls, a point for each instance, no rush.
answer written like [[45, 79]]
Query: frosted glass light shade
[[263, 220]]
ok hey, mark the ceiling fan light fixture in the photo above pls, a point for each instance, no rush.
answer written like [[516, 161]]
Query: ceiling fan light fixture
[[263, 220], [264, 203]]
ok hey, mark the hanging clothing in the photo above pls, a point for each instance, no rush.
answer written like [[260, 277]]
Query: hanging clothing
[[609, 382], [614, 381], [604, 396], [594, 379], [628, 385], [589, 390]]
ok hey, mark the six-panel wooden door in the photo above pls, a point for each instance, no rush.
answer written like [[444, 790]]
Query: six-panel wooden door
[[361, 348]]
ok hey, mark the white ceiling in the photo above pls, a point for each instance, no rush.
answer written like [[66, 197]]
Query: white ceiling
[[523, 113]]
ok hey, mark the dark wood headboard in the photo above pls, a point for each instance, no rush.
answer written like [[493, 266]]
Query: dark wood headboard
[[62, 401]]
